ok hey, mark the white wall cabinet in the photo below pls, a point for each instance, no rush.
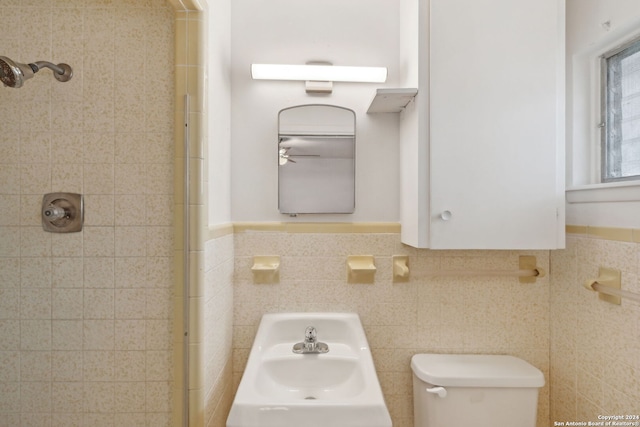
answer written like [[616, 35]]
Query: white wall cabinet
[[482, 145]]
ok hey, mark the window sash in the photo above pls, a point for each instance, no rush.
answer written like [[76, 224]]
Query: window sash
[[621, 113]]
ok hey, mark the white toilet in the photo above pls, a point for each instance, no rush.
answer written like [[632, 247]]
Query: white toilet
[[461, 390]]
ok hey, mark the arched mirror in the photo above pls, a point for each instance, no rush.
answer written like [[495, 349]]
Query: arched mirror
[[316, 159]]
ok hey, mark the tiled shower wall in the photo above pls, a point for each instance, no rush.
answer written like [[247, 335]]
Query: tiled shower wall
[[595, 345], [86, 318], [444, 315], [217, 320]]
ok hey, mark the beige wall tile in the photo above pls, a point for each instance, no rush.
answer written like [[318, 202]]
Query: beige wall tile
[[99, 210], [450, 314], [130, 241], [39, 118], [130, 147], [9, 334], [35, 303], [35, 178], [35, 396], [35, 334], [98, 366], [10, 271], [130, 179], [35, 366], [130, 303], [592, 371], [67, 273], [98, 272], [10, 176], [67, 244], [8, 205], [66, 178], [158, 396], [67, 304], [66, 397], [99, 303], [34, 243], [129, 366], [130, 334], [98, 241], [9, 303], [68, 116], [159, 366], [35, 272], [131, 273], [9, 241], [9, 144], [35, 148], [98, 335], [129, 397], [159, 241], [98, 179], [66, 335], [159, 210], [99, 397]]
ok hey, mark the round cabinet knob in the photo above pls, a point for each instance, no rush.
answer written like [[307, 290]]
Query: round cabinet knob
[[445, 215]]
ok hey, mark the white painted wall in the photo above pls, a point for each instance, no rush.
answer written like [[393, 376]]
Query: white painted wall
[[218, 127], [593, 27], [354, 32]]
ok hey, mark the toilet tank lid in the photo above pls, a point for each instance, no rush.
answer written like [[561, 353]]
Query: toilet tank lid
[[474, 370]]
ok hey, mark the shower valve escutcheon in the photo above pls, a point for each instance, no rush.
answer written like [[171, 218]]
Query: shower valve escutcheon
[[62, 212]]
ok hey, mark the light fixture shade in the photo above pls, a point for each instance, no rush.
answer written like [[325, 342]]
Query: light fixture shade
[[326, 73]]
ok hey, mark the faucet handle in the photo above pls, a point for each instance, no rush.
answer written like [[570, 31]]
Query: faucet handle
[[310, 334]]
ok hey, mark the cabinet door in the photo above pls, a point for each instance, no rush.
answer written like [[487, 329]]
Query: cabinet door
[[496, 124]]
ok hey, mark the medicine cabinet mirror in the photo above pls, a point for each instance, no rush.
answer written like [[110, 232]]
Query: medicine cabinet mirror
[[316, 159]]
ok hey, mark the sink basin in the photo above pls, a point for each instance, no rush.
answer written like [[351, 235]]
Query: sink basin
[[280, 388], [310, 377]]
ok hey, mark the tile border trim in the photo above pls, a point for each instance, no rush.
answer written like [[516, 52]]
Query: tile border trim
[[606, 233], [221, 230], [318, 227]]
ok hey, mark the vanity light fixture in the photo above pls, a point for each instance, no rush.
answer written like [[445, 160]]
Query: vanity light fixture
[[315, 72], [319, 76]]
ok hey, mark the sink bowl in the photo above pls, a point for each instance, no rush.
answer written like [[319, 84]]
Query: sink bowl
[[310, 377], [280, 388]]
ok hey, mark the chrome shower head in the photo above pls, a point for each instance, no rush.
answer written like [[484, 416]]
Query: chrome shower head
[[13, 74]]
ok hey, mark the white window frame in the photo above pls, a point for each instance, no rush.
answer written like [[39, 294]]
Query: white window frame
[[584, 184]]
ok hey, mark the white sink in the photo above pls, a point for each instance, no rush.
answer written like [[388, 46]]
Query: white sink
[[310, 377], [280, 388]]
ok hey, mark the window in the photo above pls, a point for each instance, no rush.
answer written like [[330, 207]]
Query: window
[[621, 113]]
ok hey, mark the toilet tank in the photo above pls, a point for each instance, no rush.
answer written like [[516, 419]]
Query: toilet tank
[[460, 390]]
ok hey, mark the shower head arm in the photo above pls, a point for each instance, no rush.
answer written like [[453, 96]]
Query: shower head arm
[[49, 65], [62, 72]]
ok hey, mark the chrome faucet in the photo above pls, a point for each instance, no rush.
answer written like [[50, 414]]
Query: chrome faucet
[[310, 345]]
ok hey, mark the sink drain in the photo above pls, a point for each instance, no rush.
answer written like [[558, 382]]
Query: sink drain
[[309, 398]]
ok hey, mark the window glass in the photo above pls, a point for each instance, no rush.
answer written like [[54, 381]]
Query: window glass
[[621, 113]]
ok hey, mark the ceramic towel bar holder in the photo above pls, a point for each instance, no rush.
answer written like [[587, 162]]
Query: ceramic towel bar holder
[[607, 284]]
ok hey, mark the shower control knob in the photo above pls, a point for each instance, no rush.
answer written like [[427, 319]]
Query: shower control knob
[[446, 215], [55, 212]]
